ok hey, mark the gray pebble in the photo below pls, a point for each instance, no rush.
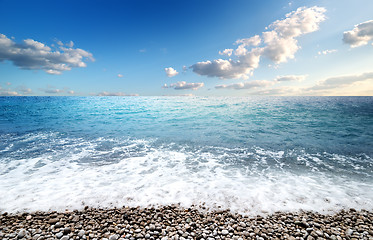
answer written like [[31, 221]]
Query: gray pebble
[[81, 233], [21, 233], [59, 234], [113, 237], [224, 232]]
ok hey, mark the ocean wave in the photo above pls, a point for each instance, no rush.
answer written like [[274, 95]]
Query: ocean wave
[[52, 171]]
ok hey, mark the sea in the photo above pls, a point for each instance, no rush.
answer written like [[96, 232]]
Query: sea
[[251, 155]]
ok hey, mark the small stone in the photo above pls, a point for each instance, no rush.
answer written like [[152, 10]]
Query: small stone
[[59, 234], [224, 232], [66, 231], [113, 237], [242, 224], [349, 232], [81, 233], [53, 221], [21, 233], [65, 238], [58, 225], [28, 217]]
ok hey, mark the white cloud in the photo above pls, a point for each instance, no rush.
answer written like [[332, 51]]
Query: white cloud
[[325, 52], [278, 45], [8, 83], [24, 90], [262, 83], [71, 92], [228, 69], [120, 75], [104, 93], [340, 81], [184, 85], [349, 85], [361, 35], [9, 93], [288, 78], [253, 41], [227, 52], [171, 72], [142, 50], [31, 54], [247, 85], [53, 91]]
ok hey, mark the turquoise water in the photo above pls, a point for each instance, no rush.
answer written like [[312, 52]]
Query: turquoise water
[[252, 155]]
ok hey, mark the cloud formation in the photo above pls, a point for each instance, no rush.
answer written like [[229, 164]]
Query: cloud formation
[[361, 35], [170, 72], [31, 54], [340, 81], [278, 44], [104, 93], [359, 84], [227, 52], [184, 86], [262, 83], [120, 75], [247, 85], [9, 93], [325, 52], [288, 78]]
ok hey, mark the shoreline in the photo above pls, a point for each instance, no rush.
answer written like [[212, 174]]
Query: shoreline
[[175, 222]]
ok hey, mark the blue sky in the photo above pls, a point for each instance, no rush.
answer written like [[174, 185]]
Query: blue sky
[[201, 48]]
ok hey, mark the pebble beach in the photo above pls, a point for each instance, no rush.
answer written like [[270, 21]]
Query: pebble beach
[[175, 222]]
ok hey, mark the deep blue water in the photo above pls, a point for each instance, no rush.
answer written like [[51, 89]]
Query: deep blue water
[[217, 147]]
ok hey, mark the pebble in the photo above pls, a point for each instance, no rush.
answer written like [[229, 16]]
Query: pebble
[[59, 234], [21, 233], [113, 237], [224, 232], [81, 233], [177, 223]]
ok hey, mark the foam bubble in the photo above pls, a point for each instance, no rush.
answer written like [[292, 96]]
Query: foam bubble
[[71, 173]]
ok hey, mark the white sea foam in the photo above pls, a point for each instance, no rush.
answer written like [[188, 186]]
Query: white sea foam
[[143, 174]]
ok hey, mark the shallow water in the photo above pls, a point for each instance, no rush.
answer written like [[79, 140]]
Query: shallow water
[[253, 155]]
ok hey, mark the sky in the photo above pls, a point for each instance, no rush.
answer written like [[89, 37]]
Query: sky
[[186, 48]]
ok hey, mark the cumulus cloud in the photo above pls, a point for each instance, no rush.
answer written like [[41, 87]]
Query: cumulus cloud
[[288, 78], [184, 85], [171, 72], [278, 44], [247, 85], [228, 69], [31, 54], [71, 92], [104, 93], [120, 75], [325, 52], [361, 35], [227, 52]]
